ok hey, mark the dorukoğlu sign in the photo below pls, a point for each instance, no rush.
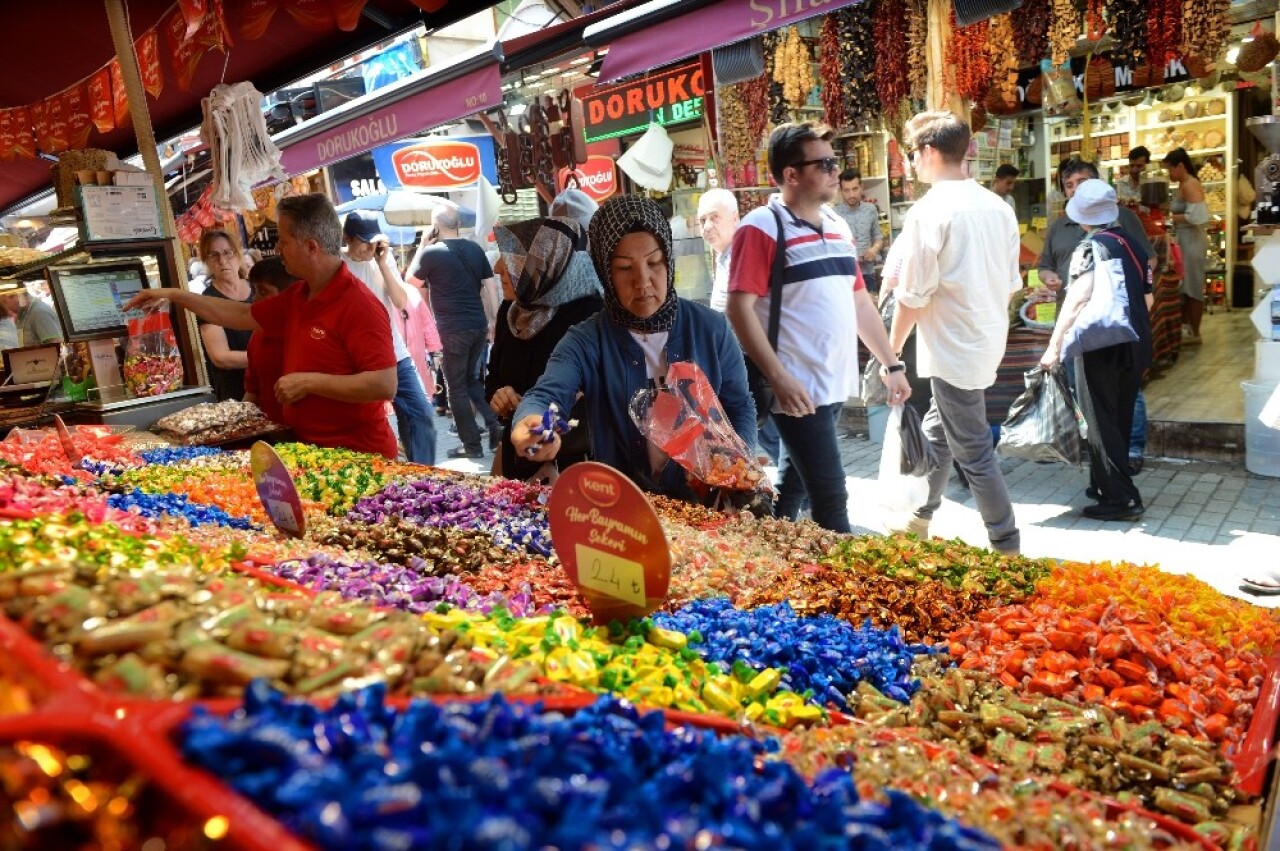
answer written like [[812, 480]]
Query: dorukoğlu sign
[[437, 165], [671, 97], [597, 177]]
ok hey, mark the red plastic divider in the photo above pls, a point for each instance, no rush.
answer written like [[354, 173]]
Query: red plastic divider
[[1255, 753], [201, 797]]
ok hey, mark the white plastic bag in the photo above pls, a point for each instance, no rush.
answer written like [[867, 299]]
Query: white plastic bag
[[899, 494], [1270, 415]]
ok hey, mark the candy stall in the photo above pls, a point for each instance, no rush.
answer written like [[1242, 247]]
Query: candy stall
[[422, 668]]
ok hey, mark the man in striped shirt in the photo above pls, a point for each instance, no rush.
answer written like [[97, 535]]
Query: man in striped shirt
[[824, 300]]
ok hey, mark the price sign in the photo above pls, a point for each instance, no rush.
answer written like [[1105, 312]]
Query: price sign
[[277, 491], [610, 542]]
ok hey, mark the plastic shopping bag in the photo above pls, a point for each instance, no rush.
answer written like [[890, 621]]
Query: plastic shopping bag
[[1044, 423], [899, 492], [685, 420], [874, 391], [918, 457], [152, 361], [1270, 415]]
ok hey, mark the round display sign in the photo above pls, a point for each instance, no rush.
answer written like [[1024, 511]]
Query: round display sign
[[277, 491], [610, 542]]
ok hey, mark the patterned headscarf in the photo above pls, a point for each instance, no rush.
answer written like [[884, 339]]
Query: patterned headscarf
[[548, 265], [617, 217]]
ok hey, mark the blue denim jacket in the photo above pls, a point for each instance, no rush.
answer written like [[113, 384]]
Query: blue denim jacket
[[602, 359]]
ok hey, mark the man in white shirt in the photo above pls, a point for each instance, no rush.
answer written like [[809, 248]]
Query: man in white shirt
[[718, 220], [960, 267], [369, 258]]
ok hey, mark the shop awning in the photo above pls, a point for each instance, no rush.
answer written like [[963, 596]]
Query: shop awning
[[432, 97], [664, 31], [47, 51], [557, 40]]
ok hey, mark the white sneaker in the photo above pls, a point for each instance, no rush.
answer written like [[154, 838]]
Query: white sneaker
[[917, 526]]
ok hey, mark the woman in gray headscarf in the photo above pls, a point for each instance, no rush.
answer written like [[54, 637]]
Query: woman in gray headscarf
[[627, 348], [553, 287]]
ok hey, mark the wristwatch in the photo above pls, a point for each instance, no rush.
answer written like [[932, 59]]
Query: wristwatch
[[890, 370]]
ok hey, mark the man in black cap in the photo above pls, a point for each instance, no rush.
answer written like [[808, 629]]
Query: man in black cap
[[368, 257]]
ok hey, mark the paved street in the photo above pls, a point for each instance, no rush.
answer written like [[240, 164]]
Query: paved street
[[1213, 520]]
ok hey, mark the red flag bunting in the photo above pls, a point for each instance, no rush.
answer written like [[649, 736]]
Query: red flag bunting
[[100, 109], [16, 139], [314, 15], [254, 16], [193, 12], [215, 34], [119, 97], [347, 13], [147, 49], [76, 105], [184, 53]]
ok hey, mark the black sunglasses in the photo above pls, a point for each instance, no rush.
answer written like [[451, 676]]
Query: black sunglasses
[[828, 164]]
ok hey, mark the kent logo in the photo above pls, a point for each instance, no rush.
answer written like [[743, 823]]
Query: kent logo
[[438, 165], [599, 489]]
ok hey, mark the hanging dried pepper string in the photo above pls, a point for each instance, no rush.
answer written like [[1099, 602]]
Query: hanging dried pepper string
[[857, 32], [1095, 26], [967, 58], [829, 67], [1164, 34], [1127, 21], [918, 48], [892, 65], [1031, 32]]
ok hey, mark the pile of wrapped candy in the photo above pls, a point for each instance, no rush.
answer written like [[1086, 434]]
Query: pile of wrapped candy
[[421, 665]]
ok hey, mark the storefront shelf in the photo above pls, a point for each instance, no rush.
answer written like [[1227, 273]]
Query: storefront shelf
[[1159, 125]]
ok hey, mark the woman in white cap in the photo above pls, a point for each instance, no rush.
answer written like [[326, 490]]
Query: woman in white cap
[[1108, 378]]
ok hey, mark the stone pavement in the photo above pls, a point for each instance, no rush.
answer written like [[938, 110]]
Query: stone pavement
[[1216, 521]]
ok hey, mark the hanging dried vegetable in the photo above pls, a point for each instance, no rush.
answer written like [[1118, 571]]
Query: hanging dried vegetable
[[778, 112], [892, 66], [1094, 25], [829, 68], [1064, 29], [917, 48], [1004, 66], [793, 69], [736, 147], [1031, 32], [1205, 27], [1127, 21], [1164, 35], [857, 31], [755, 98], [967, 58]]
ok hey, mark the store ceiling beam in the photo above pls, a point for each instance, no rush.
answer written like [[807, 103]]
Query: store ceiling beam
[[551, 42]]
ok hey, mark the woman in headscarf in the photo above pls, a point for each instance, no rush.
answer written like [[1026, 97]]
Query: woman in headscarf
[[627, 347], [553, 287]]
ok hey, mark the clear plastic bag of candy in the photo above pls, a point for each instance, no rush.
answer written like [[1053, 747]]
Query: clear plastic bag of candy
[[685, 420], [152, 361]]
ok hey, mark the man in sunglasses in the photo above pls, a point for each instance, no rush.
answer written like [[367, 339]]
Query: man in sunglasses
[[960, 249], [814, 369]]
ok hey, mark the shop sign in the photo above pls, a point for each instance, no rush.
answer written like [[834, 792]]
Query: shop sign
[[672, 97], [597, 177], [355, 178], [610, 542], [1175, 71], [276, 490], [437, 164]]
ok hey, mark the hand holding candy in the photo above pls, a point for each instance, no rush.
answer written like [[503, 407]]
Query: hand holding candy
[[534, 444], [549, 427]]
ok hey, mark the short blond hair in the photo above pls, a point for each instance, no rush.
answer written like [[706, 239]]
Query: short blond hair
[[941, 130]]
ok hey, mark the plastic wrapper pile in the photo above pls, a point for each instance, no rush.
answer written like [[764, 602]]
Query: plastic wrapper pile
[[420, 665]]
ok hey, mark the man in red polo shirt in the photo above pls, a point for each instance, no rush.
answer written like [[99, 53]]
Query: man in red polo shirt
[[339, 364]]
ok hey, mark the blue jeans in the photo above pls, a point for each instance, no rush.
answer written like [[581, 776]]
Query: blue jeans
[[813, 466], [415, 420], [1138, 434], [768, 441]]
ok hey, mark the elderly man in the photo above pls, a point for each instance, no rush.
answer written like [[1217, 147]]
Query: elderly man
[[36, 322], [960, 248], [718, 220], [339, 362], [369, 258]]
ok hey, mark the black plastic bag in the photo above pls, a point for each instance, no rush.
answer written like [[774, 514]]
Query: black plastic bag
[[918, 457], [1044, 423]]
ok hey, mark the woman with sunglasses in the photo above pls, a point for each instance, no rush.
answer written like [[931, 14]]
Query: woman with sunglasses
[[224, 348]]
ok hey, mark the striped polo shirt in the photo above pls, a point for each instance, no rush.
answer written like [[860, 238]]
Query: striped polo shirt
[[818, 330]]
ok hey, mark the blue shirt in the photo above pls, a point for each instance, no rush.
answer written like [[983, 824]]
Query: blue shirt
[[602, 360]]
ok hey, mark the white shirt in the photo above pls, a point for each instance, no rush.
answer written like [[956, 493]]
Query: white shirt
[[960, 265], [720, 282], [368, 272]]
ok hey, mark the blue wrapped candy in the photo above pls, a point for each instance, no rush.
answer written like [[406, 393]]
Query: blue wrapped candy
[[822, 655], [497, 775], [168, 455], [176, 505]]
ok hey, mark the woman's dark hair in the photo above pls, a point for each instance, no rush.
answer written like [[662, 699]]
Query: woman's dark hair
[[1179, 156]]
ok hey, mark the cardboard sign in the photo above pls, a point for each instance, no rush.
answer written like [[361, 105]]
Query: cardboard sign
[[610, 542], [277, 491]]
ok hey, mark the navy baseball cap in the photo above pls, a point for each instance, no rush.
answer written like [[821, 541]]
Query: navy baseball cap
[[362, 224]]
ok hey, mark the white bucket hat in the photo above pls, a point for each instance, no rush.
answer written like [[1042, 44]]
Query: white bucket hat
[[1093, 204]]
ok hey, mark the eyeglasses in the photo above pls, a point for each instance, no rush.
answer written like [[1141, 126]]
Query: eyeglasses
[[828, 164], [222, 255]]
